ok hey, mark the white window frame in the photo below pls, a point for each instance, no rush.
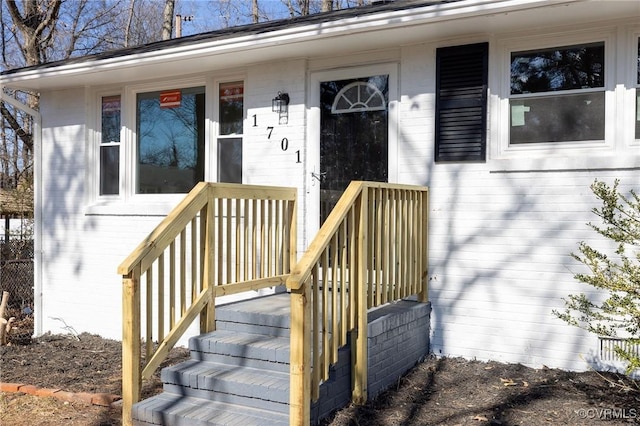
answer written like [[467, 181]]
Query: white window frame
[[555, 149], [633, 103], [128, 202], [212, 173], [95, 139]]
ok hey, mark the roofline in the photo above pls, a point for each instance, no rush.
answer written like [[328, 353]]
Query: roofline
[[326, 18], [272, 34]]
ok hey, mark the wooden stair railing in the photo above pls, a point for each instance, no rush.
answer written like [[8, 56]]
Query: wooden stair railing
[[371, 250], [222, 239]]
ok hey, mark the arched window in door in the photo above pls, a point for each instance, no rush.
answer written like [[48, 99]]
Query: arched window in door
[[359, 96]]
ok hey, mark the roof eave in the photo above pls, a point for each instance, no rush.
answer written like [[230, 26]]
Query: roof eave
[[278, 42]]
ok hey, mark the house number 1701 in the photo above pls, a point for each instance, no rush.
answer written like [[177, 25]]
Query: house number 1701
[[284, 143]]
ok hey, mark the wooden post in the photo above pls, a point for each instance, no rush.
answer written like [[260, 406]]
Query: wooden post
[[300, 382], [359, 343], [131, 370], [208, 315], [423, 294]]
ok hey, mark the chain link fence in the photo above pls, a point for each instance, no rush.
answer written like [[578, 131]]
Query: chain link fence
[[16, 278]]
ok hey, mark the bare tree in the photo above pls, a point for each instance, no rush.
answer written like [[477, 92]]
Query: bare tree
[[34, 24], [167, 19], [255, 16], [127, 28], [39, 31]]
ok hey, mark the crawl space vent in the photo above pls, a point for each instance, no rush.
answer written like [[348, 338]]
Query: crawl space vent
[[607, 345]]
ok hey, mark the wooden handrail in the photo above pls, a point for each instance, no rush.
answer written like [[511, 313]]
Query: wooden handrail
[[221, 239], [180, 216], [310, 257], [224, 239], [371, 250]]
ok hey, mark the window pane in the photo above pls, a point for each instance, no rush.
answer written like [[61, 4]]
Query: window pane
[[170, 140], [109, 169], [230, 160], [557, 118], [638, 60], [110, 119], [231, 108], [562, 68], [109, 146]]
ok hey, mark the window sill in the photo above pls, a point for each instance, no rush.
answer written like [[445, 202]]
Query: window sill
[[139, 205], [609, 162]]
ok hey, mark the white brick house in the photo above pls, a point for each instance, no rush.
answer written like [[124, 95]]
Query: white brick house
[[509, 162]]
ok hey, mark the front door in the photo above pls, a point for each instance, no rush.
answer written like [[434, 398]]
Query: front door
[[353, 139], [353, 135]]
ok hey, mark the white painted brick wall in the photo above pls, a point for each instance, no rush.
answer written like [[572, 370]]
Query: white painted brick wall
[[499, 242]]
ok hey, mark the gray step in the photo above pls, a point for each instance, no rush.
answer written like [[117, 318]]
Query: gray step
[[257, 388], [242, 349], [176, 410], [269, 315]]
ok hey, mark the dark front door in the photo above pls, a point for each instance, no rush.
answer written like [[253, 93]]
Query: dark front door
[[354, 135]]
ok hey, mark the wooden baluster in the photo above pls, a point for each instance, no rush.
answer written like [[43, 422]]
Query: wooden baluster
[[335, 336], [149, 315], [161, 311], [194, 261], [183, 272], [172, 284]]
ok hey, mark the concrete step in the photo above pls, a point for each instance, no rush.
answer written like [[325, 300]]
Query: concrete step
[[242, 349], [177, 410], [251, 387], [268, 315], [239, 378]]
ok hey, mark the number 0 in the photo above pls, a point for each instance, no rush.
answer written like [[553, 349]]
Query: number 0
[[284, 144]]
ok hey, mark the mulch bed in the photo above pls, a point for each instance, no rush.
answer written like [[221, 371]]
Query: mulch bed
[[438, 391]]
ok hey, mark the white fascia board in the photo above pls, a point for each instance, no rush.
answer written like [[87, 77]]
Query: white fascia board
[[58, 76]]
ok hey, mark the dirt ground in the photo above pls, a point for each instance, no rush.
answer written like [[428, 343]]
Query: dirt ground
[[438, 391]]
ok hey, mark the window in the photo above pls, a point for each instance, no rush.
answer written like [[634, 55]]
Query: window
[[110, 146], [461, 103], [359, 96], [557, 94], [231, 109], [170, 140]]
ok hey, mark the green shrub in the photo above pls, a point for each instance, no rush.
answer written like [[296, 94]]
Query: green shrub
[[615, 272]]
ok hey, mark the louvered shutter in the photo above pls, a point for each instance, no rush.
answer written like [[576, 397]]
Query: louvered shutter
[[461, 103]]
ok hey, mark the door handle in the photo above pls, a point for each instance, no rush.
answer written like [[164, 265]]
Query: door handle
[[319, 176]]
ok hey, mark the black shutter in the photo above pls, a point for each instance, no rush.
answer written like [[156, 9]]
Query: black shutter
[[461, 103]]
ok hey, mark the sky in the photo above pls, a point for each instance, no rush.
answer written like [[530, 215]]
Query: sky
[[209, 15]]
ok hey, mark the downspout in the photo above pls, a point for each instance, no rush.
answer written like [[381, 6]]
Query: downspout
[[37, 207]]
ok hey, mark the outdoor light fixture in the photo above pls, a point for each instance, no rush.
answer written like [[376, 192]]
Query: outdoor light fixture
[[280, 103]]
